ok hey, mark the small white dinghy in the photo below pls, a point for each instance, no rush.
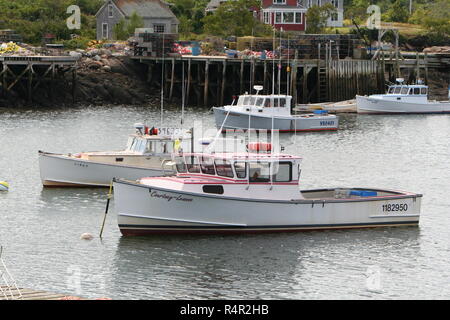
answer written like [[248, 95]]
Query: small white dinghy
[[251, 192], [271, 112], [402, 99], [347, 106]]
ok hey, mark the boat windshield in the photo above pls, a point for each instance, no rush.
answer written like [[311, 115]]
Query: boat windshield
[[279, 102], [192, 164], [241, 169], [259, 172], [207, 166], [404, 90], [159, 146], [423, 90], [180, 165], [397, 90], [224, 168], [136, 144]]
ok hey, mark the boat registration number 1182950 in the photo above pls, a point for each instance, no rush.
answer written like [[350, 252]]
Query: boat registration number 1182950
[[395, 207]]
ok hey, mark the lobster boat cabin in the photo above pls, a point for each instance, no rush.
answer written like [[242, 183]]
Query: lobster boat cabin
[[250, 192]]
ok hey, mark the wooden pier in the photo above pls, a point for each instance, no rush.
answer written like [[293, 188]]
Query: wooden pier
[[25, 74], [14, 293], [214, 80]]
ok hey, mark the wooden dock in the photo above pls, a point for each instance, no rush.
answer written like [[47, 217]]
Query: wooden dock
[[25, 74], [14, 293], [214, 80]]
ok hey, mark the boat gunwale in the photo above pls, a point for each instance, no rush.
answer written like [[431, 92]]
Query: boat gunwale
[[65, 157], [397, 195], [280, 117]]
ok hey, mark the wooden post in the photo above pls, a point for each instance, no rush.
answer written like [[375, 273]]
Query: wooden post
[[241, 91], [294, 78], [224, 71], [30, 82], [205, 92], [265, 77], [4, 80], [74, 84], [188, 82], [425, 60], [306, 70]]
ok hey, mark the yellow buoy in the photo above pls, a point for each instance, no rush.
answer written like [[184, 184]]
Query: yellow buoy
[[4, 186]]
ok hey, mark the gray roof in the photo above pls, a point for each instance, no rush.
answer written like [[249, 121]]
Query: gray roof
[[145, 8]]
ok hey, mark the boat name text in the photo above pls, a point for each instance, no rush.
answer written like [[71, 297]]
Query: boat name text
[[327, 123], [156, 194]]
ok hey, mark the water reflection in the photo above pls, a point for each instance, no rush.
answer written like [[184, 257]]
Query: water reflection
[[269, 266]]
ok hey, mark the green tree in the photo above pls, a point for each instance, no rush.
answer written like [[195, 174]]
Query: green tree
[[125, 28], [398, 12], [235, 18], [317, 16]]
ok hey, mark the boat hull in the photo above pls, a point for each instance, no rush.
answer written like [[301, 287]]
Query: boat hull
[[58, 170], [373, 105], [145, 210], [240, 121]]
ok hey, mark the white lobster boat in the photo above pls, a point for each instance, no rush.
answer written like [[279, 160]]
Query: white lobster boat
[[146, 152], [401, 99], [251, 192], [271, 112]]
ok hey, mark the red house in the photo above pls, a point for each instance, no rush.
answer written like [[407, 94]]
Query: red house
[[286, 14]]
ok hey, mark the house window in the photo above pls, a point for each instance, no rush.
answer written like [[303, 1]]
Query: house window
[[288, 17], [267, 17], [279, 1], [334, 16], [159, 28], [277, 17], [335, 3], [298, 17], [110, 11], [105, 31]]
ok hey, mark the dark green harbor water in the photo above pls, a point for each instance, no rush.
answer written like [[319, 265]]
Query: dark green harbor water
[[40, 228]]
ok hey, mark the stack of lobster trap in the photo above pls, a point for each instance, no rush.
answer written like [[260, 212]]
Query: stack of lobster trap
[[147, 43]]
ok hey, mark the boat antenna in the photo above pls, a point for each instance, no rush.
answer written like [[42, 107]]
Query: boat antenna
[[183, 94], [162, 83], [273, 62], [288, 69], [279, 69]]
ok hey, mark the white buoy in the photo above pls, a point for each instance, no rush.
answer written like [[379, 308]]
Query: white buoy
[[4, 186], [86, 236]]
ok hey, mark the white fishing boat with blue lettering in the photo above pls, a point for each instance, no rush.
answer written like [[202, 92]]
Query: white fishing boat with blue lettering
[[267, 112], [146, 152], [251, 192], [402, 99]]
